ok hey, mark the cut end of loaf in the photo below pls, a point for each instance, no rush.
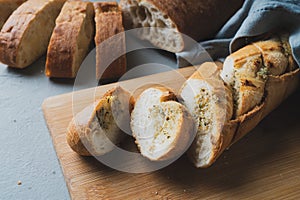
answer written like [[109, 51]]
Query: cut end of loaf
[[99, 126], [162, 129], [156, 26]]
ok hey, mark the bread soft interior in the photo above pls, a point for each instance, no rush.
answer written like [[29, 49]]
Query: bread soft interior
[[155, 124], [30, 49], [209, 101], [159, 28]]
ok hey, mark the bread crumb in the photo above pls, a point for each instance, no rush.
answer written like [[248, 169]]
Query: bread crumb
[[19, 183], [156, 193], [184, 190]]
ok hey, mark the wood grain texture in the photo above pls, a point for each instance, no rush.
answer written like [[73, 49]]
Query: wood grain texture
[[265, 164]]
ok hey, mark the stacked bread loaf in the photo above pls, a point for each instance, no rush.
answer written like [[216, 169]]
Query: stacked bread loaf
[[66, 31]]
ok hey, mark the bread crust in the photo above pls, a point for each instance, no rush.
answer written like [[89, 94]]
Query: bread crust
[[20, 41], [110, 41], [247, 70], [6, 9], [278, 88], [71, 39]]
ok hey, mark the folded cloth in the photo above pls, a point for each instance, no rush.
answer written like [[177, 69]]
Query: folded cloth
[[255, 18]]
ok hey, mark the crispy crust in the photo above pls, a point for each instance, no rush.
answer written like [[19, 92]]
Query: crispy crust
[[109, 23], [20, 43], [278, 88], [78, 130], [71, 40], [6, 8], [247, 70], [198, 19]]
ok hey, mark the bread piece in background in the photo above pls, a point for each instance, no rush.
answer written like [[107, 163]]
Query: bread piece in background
[[71, 39], [110, 41], [209, 101], [25, 35], [98, 128], [198, 19], [6, 8], [162, 127]]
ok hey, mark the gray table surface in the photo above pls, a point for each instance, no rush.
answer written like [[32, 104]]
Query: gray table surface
[[27, 155]]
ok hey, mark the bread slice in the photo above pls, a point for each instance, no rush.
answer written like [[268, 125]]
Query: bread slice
[[209, 101], [71, 39], [26, 34], [110, 41], [247, 70], [165, 20], [6, 8], [98, 128], [162, 127]]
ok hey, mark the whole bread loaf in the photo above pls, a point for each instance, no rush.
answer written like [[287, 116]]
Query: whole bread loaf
[[198, 19], [25, 35], [6, 8], [71, 39]]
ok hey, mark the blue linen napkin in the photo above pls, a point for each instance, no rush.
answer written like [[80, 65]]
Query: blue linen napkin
[[255, 18]]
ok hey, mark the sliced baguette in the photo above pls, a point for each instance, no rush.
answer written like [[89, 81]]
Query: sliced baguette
[[209, 101], [247, 69], [208, 147], [6, 8], [71, 39], [162, 127], [197, 19], [110, 41], [26, 34], [97, 129], [276, 88]]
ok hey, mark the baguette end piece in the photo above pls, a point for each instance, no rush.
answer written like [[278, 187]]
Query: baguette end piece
[[98, 128]]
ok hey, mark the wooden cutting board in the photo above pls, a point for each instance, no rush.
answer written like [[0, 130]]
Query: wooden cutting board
[[263, 165]]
